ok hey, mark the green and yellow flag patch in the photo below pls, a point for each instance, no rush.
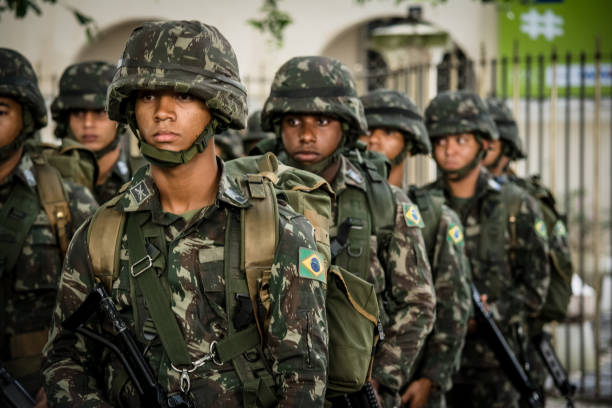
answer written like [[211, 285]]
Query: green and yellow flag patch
[[540, 229], [455, 235], [559, 230], [312, 265], [413, 216]]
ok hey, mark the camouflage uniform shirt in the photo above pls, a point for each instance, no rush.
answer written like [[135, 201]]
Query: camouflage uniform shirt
[[408, 317], [451, 274], [30, 288], [118, 176], [76, 373]]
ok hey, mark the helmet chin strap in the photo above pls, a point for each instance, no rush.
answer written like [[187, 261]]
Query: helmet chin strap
[[27, 130], [495, 163], [397, 160], [109, 147]]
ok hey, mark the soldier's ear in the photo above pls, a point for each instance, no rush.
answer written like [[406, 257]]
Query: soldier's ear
[[486, 144]]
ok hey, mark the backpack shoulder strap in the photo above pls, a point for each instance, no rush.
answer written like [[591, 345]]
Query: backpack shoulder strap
[[430, 207], [104, 237], [53, 199]]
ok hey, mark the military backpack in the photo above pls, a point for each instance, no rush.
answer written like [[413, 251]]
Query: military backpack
[[352, 310]]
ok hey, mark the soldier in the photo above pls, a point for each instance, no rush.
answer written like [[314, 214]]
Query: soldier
[[315, 113], [79, 113], [228, 145], [396, 129], [34, 232], [506, 247], [254, 134], [178, 85], [502, 154]]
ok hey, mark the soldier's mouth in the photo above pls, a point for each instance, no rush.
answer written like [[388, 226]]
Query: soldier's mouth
[[306, 156], [165, 136]]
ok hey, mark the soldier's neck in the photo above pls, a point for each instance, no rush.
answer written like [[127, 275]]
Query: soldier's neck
[[106, 163], [466, 187], [7, 166], [396, 175], [189, 186]]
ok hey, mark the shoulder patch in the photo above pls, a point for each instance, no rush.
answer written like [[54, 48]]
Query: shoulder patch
[[455, 235], [540, 229], [311, 265], [140, 192], [413, 216], [559, 229]]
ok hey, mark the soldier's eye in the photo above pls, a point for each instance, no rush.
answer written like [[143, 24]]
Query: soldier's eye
[[291, 121], [184, 97], [146, 96], [323, 121]]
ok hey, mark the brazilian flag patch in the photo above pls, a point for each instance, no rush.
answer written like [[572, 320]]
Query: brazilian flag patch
[[455, 235], [413, 216], [559, 230], [312, 265], [541, 229]]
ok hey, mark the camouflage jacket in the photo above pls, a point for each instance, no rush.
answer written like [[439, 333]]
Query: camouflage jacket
[[408, 316], [29, 290], [118, 176], [450, 268], [514, 276], [78, 373]]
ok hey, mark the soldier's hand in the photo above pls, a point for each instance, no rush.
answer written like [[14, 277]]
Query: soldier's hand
[[41, 399], [472, 326], [483, 299], [376, 385], [417, 393]]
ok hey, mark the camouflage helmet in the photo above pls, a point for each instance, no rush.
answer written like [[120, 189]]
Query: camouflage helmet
[[254, 131], [456, 112], [315, 85], [18, 81], [506, 126], [82, 86], [184, 56], [230, 144], [394, 110]]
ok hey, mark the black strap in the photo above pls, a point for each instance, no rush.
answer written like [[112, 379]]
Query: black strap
[[393, 111], [326, 92]]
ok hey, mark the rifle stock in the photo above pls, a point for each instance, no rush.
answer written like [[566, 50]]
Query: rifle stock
[[553, 365], [504, 354], [12, 393]]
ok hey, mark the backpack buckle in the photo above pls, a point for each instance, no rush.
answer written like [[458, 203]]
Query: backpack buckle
[[136, 269]]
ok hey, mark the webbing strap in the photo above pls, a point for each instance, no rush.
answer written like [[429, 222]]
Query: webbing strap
[[53, 200], [17, 216], [104, 238], [158, 300], [430, 208]]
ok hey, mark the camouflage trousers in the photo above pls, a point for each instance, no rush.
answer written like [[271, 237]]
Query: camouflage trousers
[[486, 388]]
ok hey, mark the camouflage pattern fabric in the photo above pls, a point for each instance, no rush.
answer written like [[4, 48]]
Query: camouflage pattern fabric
[[82, 86], [514, 277], [29, 290], [119, 175], [441, 355], [184, 56], [315, 85], [506, 125], [456, 112], [408, 313], [230, 144], [254, 132], [18, 81], [388, 109], [79, 373]]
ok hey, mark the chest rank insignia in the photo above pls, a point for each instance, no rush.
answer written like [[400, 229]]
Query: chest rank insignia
[[413, 216], [541, 229], [455, 235], [312, 265], [140, 192]]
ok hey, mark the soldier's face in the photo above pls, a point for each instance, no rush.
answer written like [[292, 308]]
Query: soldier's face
[[170, 120], [310, 138], [453, 152], [11, 120], [495, 148], [92, 128], [386, 141]]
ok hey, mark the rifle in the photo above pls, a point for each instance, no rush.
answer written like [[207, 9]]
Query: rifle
[[12, 393], [151, 392], [557, 372], [508, 361]]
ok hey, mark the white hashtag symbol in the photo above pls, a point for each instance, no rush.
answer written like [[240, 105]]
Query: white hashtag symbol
[[547, 24]]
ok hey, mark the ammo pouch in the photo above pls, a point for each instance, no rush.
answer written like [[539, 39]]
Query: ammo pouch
[[352, 318]]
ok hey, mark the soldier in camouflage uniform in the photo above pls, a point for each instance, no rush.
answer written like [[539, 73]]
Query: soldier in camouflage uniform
[[79, 113], [178, 84], [228, 145], [314, 111], [30, 253], [254, 134], [498, 162], [396, 129], [507, 251]]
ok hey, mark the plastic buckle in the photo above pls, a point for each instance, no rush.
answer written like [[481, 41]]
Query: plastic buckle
[[146, 259]]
